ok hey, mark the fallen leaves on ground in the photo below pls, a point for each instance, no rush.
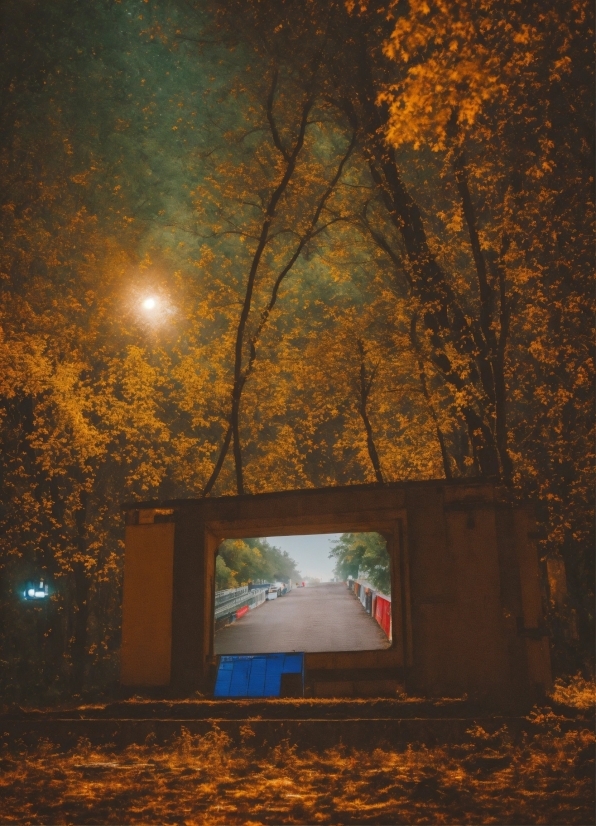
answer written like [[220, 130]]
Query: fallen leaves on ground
[[543, 778]]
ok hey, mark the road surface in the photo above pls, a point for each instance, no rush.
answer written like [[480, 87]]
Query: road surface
[[324, 617]]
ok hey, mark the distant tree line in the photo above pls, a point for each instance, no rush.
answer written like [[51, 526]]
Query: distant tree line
[[246, 561]]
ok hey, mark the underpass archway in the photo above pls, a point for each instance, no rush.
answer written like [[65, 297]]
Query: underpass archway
[[466, 610]]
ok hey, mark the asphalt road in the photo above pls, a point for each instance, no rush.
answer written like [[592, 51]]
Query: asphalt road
[[317, 618]]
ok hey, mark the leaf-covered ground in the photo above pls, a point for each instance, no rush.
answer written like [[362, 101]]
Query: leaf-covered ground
[[546, 777]]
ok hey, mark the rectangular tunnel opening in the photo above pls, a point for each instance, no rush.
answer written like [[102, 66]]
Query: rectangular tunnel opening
[[303, 593]]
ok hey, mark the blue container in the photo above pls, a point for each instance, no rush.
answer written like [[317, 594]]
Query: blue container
[[256, 675]]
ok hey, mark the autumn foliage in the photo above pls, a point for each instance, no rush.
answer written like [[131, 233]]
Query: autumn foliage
[[367, 231]]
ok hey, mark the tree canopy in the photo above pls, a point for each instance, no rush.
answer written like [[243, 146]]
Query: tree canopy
[[367, 233], [365, 556], [245, 561]]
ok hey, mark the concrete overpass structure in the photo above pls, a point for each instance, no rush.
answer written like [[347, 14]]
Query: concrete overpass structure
[[466, 600]]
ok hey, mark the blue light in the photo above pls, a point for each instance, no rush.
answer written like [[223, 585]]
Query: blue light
[[34, 591]]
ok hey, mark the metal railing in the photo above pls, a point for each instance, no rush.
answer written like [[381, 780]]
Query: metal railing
[[249, 598], [222, 597]]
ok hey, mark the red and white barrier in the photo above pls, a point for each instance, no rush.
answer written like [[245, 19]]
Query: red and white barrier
[[374, 603], [382, 613]]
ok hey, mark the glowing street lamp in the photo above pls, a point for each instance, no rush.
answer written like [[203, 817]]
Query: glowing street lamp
[[149, 303]]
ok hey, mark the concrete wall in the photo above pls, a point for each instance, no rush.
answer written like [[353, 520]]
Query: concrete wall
[[470, 568], [147, 605], [467, 613]]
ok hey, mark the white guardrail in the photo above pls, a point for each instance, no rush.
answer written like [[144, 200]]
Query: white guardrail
[[230, 594], [239, 600]]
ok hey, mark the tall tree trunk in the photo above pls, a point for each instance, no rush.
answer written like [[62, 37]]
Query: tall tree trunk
[[426, 394], [242, 371], [491, 346], [219, 464], [290, 159], [365, 386], [500, 385], [485, 336], [441, 312], [82, 583]]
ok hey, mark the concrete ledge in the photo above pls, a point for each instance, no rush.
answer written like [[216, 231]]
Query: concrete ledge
[[357, 688], [367, 733], [333, 660], [309, 723]]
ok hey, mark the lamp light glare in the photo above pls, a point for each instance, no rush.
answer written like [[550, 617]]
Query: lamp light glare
[[149, 304], [35, 592]]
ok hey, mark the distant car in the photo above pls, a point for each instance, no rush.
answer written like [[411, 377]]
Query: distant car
[[272, 592]]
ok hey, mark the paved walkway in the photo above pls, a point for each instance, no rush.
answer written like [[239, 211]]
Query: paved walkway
[[317, 618]]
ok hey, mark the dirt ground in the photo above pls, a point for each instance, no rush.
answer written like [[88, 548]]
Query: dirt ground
[[324, 617]]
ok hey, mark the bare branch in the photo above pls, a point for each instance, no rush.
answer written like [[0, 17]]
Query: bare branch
[[273, 126], [302, 243]]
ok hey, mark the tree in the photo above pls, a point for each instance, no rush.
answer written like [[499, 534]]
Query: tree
[[71, 361], [511, 124], [353, 79], [470, 121], [368, 231], [242, 561], [293, 200], [364, 556]]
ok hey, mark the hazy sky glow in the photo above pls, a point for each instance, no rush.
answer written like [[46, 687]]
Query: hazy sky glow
[[311, 553]]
